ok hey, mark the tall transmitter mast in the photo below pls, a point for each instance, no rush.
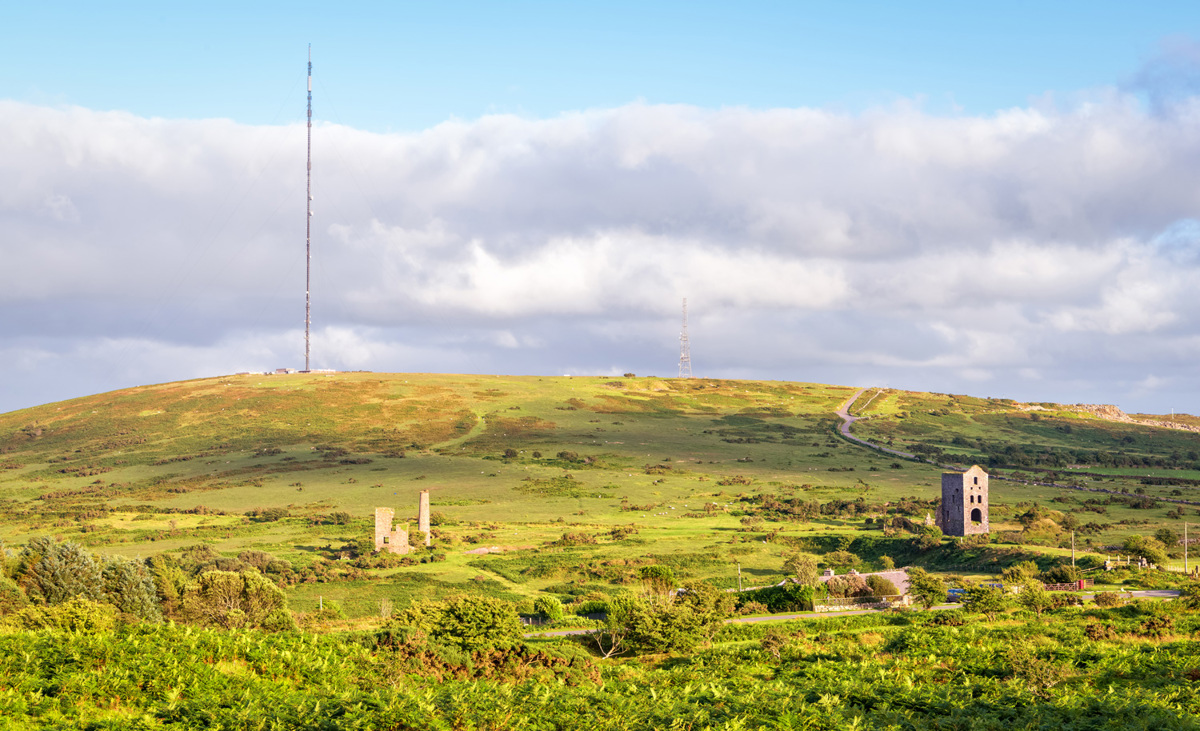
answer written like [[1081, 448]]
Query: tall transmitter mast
[[308, 223], [685, 351]]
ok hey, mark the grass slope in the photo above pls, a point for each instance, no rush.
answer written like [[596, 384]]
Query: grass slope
[[160, 468]]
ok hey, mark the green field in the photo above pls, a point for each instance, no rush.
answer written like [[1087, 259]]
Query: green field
[[696, 469]]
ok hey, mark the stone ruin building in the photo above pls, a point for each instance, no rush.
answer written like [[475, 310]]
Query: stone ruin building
[[395, 540], [964, 507]]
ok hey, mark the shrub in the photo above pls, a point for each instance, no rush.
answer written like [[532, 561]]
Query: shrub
[[73, 615], [328, 611], [227, 599], [880, 586], [12, 599], [1097, 631], [1034, 597], [1108, 599], [1189, 596], [1020, 572], [984, 600], [1062, 574], [657, 579], [847, 586], [267, 515], [467, 622], [549, 607], [641, 626]]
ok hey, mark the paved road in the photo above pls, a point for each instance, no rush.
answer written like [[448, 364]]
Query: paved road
[[843, 413]]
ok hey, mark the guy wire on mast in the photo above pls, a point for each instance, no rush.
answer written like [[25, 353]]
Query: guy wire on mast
[[308, 224], [685, 354]]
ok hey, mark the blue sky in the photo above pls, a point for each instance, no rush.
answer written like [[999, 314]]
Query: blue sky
[[998, 200], [405, 66]]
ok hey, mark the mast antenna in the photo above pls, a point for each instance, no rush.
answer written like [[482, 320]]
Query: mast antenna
[[685, 353], [308, 224]]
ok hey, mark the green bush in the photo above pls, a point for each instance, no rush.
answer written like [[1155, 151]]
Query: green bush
[[984, 600], [467, 622], [12, 599], [549, 607], [73, 615], [230, 600]]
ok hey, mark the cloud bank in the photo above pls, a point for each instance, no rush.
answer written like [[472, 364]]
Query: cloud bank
[[1040, 253]]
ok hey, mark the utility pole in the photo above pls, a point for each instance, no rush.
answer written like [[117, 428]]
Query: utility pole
[[1185, 556], [685, 351], [1072, 549], [739, 565], [308, 223]]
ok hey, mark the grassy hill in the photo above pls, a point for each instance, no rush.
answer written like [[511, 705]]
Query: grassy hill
[[573, 483]]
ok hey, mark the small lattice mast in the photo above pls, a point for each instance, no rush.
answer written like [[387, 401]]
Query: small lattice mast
[[685, 352], [308, 223]]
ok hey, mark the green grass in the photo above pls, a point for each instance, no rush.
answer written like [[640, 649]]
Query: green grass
[[160, 468]]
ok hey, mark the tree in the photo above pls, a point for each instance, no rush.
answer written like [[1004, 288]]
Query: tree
[[52, 572], [1150, 549], [710, 603], [841, 559], [1034, 597], [1020, 572], [887, 562], [659, 580], [1063, 573], [228, 599], [1166, 536], [804, 567], [129, 586], [926, 588], [642, 626], [986, 600]]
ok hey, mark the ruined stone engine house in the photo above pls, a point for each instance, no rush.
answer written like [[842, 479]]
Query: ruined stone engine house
[[395, 540], [964, 508]]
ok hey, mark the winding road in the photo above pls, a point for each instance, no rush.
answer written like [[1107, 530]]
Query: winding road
[[843, 413]]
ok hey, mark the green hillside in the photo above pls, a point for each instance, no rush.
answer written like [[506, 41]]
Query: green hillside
[[573, 482]]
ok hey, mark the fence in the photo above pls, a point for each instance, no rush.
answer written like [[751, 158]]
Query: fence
[[1072, 586], [1177, 565]]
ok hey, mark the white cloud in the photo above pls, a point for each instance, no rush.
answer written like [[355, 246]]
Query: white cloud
[[1019, 247]]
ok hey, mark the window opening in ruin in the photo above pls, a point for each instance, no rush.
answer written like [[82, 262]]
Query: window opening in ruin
[[976, 516]]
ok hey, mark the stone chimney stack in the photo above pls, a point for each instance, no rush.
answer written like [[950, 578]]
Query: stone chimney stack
[[423, 515]]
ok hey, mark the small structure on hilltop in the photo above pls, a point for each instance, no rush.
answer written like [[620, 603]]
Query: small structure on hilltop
[[964, 507], [395, 540]]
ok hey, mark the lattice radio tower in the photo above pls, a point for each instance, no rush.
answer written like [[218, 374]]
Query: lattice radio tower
[[685, 352], [308, 224]]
